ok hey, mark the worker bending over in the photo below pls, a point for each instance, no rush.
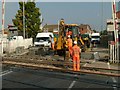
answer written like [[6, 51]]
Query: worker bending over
[[69, 41], [76, 57]]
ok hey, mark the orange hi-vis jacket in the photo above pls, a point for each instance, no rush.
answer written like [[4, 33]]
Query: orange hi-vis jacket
[[69, 41], [76, 51]]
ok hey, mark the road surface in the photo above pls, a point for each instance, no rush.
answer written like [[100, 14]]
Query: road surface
[[28, 78]]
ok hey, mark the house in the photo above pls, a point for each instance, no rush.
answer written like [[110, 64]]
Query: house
[[50, 28], [13, 31], [85, 29], [118, 14]]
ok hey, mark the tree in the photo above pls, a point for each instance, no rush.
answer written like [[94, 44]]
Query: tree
[[104, 32], [94, 31], [32, 19]]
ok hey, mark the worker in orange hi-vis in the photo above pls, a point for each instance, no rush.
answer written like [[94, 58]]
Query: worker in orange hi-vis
[[69, 41], [76, 57], [68, 33]]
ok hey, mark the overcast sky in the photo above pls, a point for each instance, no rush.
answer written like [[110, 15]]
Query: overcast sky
[[93, 13]]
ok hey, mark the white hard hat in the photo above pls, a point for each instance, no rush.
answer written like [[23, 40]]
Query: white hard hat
[[69, 36], [75, 42]]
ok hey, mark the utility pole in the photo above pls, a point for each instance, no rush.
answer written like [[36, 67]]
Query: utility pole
[[58, 26], [23, 19], [41, 20]]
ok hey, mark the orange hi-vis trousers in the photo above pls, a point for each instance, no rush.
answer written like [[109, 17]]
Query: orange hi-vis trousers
[[53, 46], [70, 50], [70, 45], [76, 63]]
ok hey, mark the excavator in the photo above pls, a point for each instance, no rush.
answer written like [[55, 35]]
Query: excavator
[[61, 47]]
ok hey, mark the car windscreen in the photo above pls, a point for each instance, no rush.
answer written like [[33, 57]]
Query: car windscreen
[[40, 39]]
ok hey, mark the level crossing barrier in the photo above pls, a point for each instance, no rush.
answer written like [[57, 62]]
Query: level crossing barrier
[[114, 56]]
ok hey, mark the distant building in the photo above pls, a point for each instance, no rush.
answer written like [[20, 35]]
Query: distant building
[[12, 30], [118, 14], [110, 29], [6, 32], [50, 28], [85, 29]]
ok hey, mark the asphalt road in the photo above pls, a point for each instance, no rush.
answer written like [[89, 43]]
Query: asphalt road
[[43, 79]]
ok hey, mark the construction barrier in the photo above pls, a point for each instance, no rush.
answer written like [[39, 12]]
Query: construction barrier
[[3, 41], [1, 45], [11, 46]]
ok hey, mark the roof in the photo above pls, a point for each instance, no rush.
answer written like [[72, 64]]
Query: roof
[[44, 34]]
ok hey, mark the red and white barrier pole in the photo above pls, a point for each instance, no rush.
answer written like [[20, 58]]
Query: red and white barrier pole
[[3, 22], [115, 31], [3, 15]]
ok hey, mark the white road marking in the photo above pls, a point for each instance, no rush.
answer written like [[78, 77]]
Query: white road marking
[[114, 86], [7, 72], [114, 80], [72, 84]]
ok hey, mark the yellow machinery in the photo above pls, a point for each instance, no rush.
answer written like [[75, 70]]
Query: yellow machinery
[[86, 39], [61, 42]]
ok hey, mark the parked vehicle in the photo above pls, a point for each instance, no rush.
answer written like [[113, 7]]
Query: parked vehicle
[[43, 39], [95, 38], [61, 47]]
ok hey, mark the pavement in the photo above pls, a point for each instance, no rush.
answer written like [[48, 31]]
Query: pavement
[[100, 64], [99, 60]]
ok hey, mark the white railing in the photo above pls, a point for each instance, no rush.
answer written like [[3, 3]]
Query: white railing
[[114, 56]]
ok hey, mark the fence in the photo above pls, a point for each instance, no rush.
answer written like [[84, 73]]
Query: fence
[[114, 56]]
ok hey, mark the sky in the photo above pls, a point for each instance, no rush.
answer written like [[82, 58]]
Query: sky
[[93, 13]]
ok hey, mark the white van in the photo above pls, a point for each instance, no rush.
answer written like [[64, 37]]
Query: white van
[[43, 39], [95, 38]]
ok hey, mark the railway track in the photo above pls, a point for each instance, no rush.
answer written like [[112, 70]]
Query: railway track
[[55, 64]]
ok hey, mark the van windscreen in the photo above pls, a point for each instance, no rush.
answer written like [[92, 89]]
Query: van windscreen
[[95, 36], [40, 39]]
